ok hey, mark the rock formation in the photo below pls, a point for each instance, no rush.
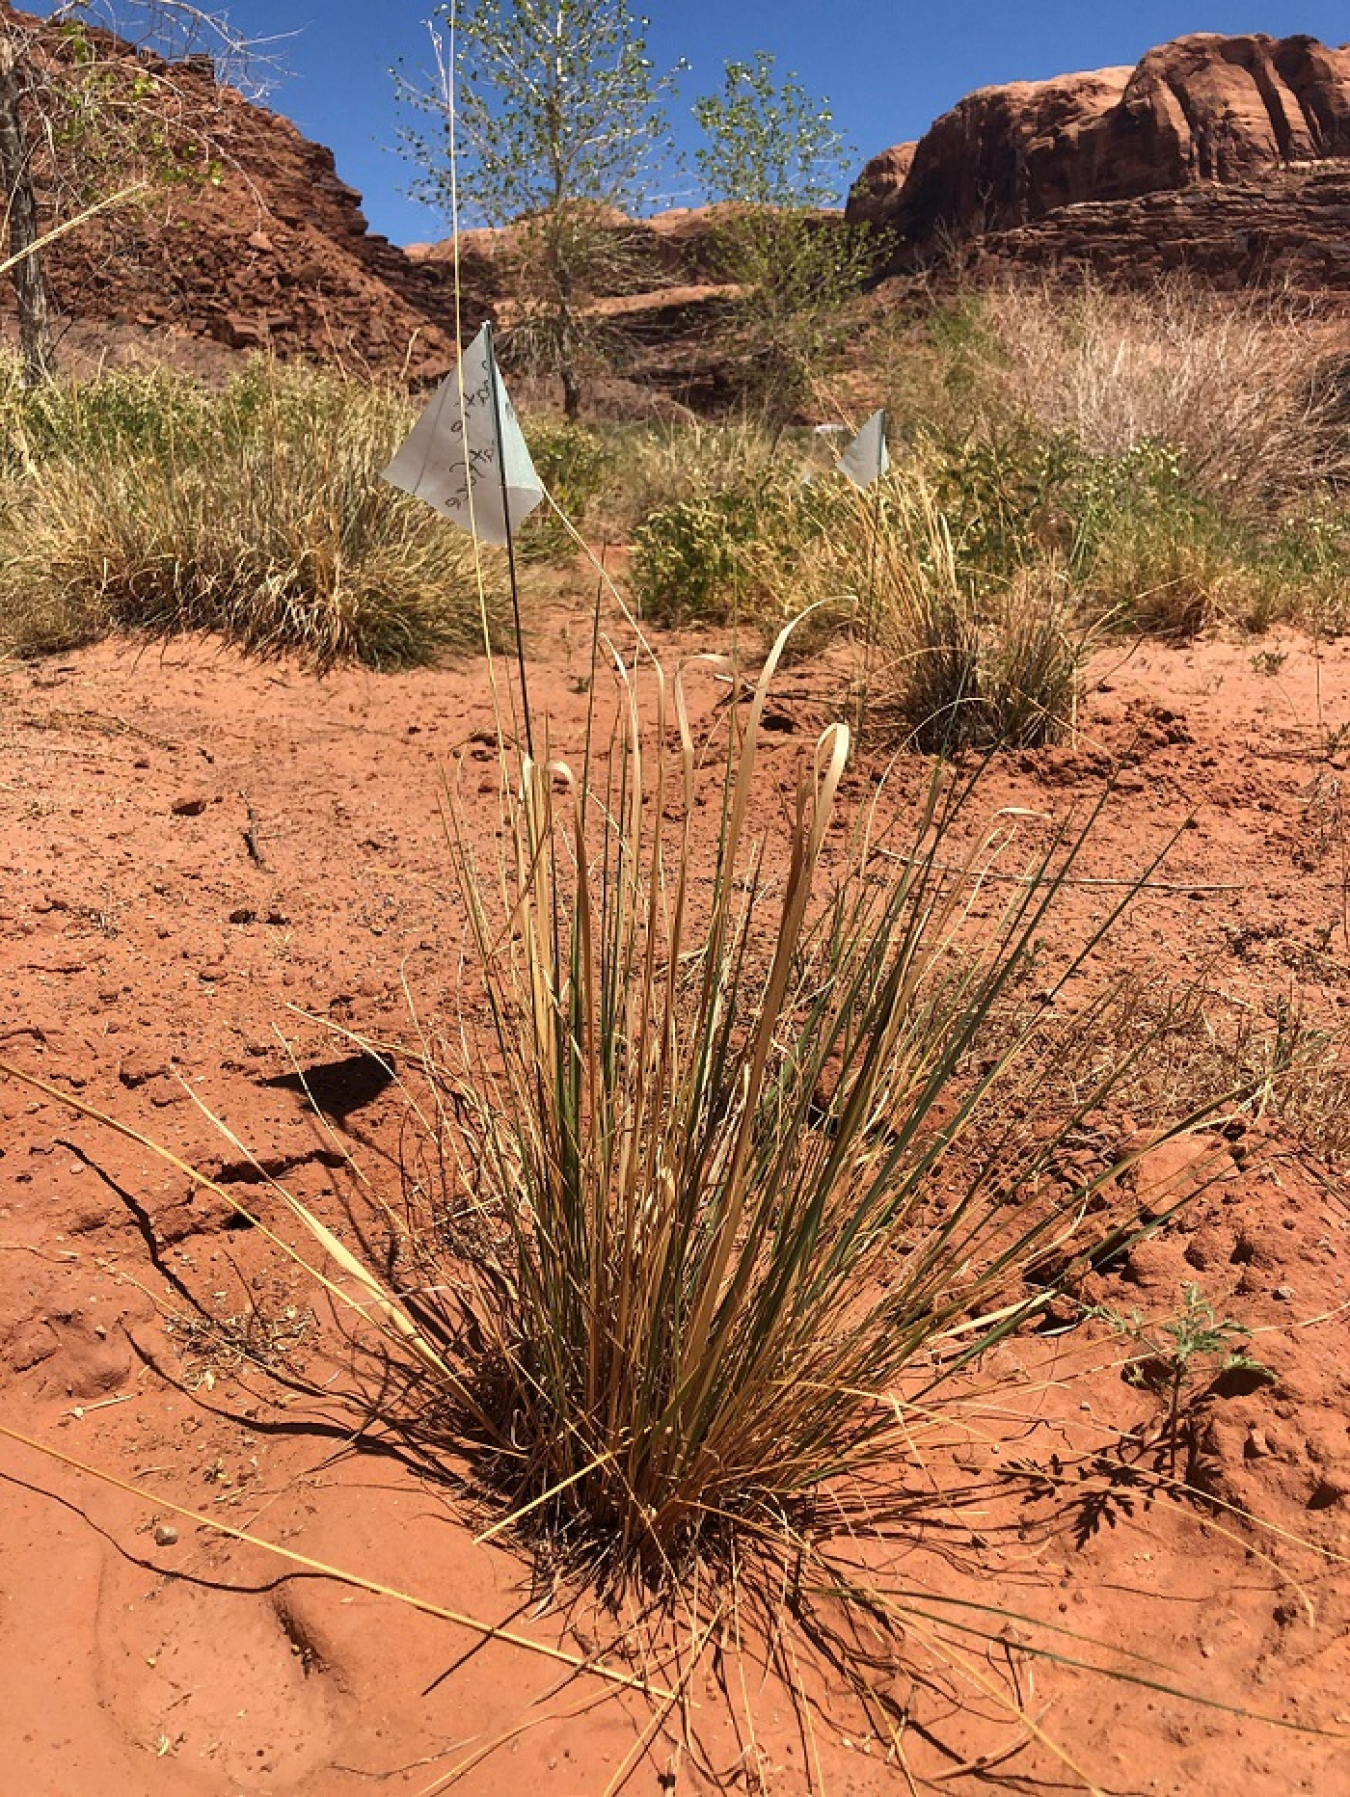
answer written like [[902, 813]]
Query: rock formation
[[874, 193], [273, 251], [1203, 110], [1287, 233], [677, 247]]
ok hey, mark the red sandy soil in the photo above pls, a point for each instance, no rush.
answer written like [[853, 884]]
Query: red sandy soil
[[190, 845]]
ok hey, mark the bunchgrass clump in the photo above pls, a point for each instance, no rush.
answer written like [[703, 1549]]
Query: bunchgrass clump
[[737, 1170], [657, 466], [145, 502], [952, 664]]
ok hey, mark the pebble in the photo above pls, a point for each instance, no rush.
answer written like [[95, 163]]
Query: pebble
[[165, 1534], [1284, 1293]]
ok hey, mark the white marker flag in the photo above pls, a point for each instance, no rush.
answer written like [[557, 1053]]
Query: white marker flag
[[452, 451], [866, 459]]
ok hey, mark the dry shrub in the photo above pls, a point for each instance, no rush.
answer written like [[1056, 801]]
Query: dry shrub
[[1171, 1046], [1226, 380]]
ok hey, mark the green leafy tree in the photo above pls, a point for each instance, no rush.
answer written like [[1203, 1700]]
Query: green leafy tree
[[773, 160], [559, 123]]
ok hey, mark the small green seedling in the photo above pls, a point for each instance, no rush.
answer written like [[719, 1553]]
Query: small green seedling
[[1269, 661], [1193, 1347]]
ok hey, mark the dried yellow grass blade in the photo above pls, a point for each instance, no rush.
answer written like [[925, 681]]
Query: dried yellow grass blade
[[489, 1631], [329, 1242]]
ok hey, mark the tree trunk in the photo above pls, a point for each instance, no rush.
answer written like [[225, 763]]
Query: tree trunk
[[16, 194], [571, 393], [567, 360]]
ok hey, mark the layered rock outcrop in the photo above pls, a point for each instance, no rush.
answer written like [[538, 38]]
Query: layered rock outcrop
[[1204, 109], [1289, 233]]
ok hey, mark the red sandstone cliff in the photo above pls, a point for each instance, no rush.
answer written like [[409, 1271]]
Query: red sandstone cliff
[[1203, 109], [274, 251]]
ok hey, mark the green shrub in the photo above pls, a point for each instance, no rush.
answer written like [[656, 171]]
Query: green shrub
[[575, 464], [972, 626], [1009, 498], [1306, 563], [691, 561]]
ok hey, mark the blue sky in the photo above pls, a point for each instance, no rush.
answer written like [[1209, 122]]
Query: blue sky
[[888, 66]]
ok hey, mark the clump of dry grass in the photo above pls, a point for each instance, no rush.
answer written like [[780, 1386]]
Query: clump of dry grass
[[1288, 1067], [256, 513], [1177, 1044], [952, 668], [1230, 383]]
